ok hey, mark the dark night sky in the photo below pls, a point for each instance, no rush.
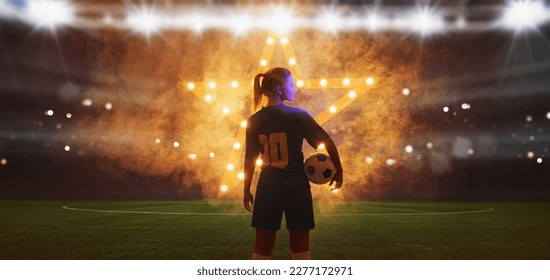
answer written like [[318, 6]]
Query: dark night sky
[[505, 77]]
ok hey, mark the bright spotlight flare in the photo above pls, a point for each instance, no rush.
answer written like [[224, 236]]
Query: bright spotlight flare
[[241, 24], [426, 21], [524, 14], [282, 21], [145, 20], [47, 13], [330, 21]]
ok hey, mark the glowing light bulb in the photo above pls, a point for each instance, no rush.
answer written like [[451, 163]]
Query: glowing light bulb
[[390, 162], [321, 146], [192, 156], [234, 84], [539, 160], [237, 146], [445, 109], [259, 162], [67, 148], [323, 82], [225, 110], [335, 190], [69, 115], [284, 41], [529, 118], [292, 61], [346, 82], [243, 124], [208, 98], [263, 62], [230, 167], [369, 160], [176, 144], [300, 83], [429, 145], [408, 149], [212, 155], [49, 113], [270, 41], [406, 91], [191, 86], [223, 188], [157, 141], [87, 102], [530, 154], [465, 106], [212, 85], [352, 94], [332, 109], [240, 175], [108, 105], [369, 81], [470, 151]]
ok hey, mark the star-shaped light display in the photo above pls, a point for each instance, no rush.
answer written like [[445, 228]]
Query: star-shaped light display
[[357, 86]]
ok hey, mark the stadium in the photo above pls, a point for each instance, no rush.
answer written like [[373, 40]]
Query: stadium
[[123, 126]]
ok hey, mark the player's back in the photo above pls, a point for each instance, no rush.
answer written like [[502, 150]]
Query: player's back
[[278, 132]]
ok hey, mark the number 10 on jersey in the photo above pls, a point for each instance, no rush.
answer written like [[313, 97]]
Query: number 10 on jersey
[[275, 149]]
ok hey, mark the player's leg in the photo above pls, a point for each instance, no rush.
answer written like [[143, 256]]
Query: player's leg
[[265, 243], [298, 207], [266, 218], [299, 244]]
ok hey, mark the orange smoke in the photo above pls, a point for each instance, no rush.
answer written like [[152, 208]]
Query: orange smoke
[[142, 82]]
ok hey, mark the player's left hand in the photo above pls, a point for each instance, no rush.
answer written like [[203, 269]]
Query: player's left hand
[[247, 200], [338, 178]]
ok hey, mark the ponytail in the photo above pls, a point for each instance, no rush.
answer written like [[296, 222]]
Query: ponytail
[[257, 93]]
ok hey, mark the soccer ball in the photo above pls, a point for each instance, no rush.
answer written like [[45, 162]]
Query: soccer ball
[[319, 168]]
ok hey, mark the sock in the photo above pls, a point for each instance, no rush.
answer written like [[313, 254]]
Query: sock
[[301, 256], [256, 256]]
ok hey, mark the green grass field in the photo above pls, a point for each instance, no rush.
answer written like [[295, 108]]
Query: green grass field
[[390, 230]]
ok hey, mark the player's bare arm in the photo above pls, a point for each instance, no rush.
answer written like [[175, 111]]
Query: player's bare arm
[[333, 153], [248, 199]]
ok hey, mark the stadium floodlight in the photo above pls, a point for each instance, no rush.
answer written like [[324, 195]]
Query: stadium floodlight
[[374, 22], [197, 23], [282, 21], [426, 21], [330, 21], [524, 14], [48, 13], [241, 24], [461, 22], [144, 20]]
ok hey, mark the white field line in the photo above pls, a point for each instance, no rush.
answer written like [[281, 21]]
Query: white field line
[[411, 214], [68, 207]]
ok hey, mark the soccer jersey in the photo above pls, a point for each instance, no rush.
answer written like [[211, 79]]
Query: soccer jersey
[[277, 132]]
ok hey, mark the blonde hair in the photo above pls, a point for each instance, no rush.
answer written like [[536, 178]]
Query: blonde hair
[[271, 79]]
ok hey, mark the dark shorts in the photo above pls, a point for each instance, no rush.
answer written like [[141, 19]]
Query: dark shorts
[[272, 201]]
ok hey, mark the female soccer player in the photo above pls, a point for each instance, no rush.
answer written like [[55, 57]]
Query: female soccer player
[[277, 132]]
